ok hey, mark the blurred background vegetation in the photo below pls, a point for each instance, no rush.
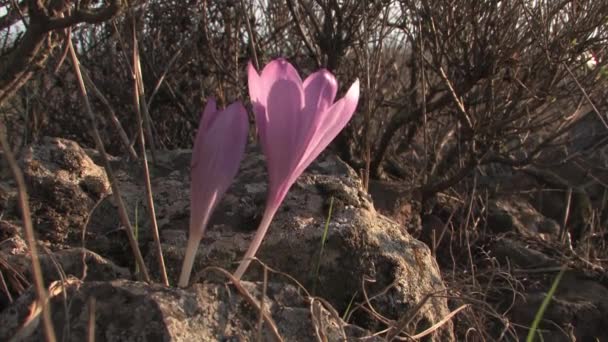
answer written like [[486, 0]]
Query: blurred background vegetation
[[448, 86]]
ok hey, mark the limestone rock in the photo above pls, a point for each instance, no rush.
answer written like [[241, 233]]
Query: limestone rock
[[77, 262], [363, 248], [520, 216], [515, 252], [16, 267], [64, 184], [364, 251], [132, 311]]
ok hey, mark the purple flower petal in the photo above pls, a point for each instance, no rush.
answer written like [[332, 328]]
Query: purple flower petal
[[284, 102], [218, 149], [320, 91], [296, 121], [279, 69], [331, 123], [209, 114]]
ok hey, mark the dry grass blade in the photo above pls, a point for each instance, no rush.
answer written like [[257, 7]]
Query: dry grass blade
[[32, 320], [316, 317], [562, 230], [12, 276], [317, 306], [254, 54], [5, 287], [162, 77], [272, 327], [139, 85], [367, 301], [140, 106], [262, 296], [91, 329], [406, 319], [312, 299], [272, 270], [84, 235], [586, 95], [440, 323], [30, 239], [122, 211], [124, 139]]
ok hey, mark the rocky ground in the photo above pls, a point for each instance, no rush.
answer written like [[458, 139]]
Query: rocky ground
[[375, 279]]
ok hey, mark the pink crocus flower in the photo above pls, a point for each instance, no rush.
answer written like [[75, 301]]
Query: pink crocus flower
[[296, 121], [218, 150]]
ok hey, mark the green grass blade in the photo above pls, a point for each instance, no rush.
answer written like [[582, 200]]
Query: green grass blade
[[543, 306], [350, 304], [323, 239]]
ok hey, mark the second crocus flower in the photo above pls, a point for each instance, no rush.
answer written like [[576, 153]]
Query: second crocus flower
[[296, 121], [218, 150]]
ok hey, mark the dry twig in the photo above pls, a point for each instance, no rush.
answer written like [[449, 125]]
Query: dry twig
[[272, 327], [140, 106], [122, 211]]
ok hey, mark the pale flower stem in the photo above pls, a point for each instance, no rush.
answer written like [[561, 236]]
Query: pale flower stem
[[191, 249], [257, 240]]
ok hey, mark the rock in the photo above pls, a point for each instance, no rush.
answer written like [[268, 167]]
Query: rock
[[581, 215], [171, 190], [395, 201], [64, 184], [515, 252], [15, 265], [363, 248], [512, 215], [8, 196], [132, 311], [10, 238], [578, 311], [11, 244], [78, 262]]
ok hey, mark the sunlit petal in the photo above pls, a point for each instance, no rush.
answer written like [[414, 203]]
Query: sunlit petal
[[296, 121]]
